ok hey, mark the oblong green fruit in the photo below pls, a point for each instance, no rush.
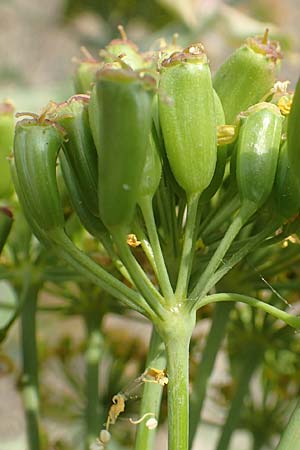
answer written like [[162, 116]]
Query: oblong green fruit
[[7, 127], [152, 168], [286, 191], [79, 147], [247, 76], [90, 222], [120, 119], [36, 148], [187, 117], [257, 153]]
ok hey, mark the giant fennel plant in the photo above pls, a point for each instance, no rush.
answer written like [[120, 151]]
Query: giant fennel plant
[[197, 170]]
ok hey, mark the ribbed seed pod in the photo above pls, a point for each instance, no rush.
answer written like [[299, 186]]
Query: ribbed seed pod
[[187, 117], [257, 154], [120, 119], [7, 126], [90, 222], [36, 148], [286, 192], [247, 75], [79, 147]]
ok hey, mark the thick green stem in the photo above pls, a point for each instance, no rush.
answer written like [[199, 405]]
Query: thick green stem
[[151, 394], [30, 390], [162, 273], [290, 439], [176, 335], [188, 248], [249, 365], [205, 367], [93, 355]]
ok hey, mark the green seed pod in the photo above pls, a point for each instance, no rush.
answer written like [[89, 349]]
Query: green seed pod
[[257, 153], [247, 76], [35, 152], [187, 117], [126, 50], [6, 220], [217, 178], [79, 147], [152, 169], [293, 141], [90, 222], [7, 126], [120, 121], [286, 191], [85, 75]]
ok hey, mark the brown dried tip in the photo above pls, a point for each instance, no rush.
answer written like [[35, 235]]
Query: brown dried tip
[[263, 45], [194, 53]]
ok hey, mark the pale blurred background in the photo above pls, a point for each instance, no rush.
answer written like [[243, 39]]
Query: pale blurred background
[[39, 39]]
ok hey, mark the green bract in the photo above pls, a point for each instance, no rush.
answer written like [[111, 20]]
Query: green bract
[[187, 116], [35, 152], [247, 76], [120, 121], [257, 153]]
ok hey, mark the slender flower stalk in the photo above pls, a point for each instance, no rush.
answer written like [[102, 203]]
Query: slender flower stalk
[[29, 381], [93, 355]]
